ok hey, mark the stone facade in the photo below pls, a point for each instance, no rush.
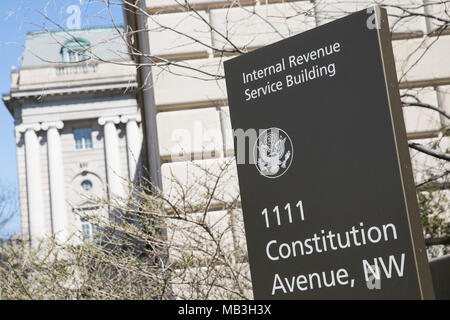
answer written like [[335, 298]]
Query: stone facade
[[77, 127]]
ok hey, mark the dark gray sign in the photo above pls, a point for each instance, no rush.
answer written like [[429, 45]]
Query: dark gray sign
[[326, 184]]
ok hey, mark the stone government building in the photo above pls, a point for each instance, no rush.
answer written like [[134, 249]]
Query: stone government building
[[77, 127], [78, 120]]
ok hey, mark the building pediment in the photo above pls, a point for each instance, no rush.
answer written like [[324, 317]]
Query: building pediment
[[87, 205]]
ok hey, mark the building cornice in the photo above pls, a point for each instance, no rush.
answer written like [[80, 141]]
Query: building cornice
[[65, 31], [19, 97]]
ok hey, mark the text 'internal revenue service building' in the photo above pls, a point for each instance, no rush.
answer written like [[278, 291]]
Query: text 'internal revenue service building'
[[327, 190]]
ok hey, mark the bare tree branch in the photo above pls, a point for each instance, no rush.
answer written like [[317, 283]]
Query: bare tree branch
[[428, 151]]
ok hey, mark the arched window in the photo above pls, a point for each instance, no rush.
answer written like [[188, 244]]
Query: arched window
[[75, 50]]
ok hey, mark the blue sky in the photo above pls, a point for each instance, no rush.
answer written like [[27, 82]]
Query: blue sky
[[17, 17]]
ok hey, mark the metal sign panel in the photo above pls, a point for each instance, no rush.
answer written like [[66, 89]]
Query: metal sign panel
[[327, 191]]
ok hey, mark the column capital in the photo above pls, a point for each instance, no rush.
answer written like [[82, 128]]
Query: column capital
[[28, 126], [103, 120], [54, 124], [131, 117]]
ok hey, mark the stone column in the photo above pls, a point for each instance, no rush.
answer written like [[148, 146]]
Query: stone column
[[112, 155], [57, 185], [36, 216], [133, 143]]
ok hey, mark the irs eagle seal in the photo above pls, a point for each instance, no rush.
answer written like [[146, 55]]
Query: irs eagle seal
[[273, 152]]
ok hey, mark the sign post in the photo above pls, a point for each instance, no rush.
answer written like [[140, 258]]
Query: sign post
[[327, 191]]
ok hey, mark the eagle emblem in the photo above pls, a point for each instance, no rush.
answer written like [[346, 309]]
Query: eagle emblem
[[273, 151]]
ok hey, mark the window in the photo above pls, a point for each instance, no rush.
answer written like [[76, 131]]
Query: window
[[90, 231], [83, 138], [86, 185], [75, 50]]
